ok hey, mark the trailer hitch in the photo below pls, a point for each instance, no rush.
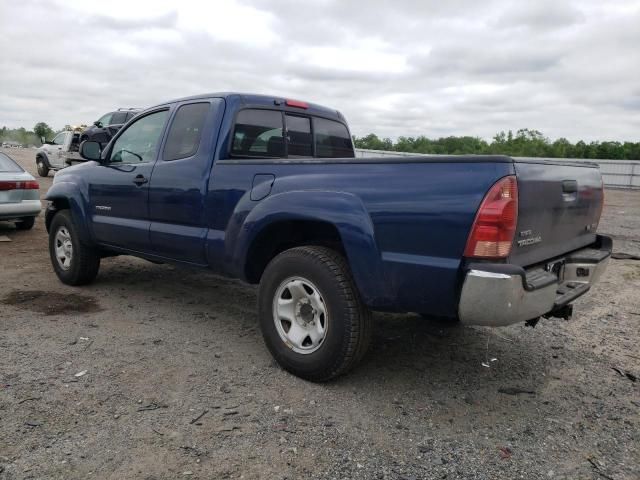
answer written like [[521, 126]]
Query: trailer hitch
[[565, 312]]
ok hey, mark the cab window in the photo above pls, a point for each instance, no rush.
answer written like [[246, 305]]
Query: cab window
[[258, 134], [332, 139], [299, 136], [140, 141]]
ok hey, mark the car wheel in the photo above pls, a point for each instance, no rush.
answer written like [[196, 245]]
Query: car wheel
[[74, 262], [43, 170], [311, 315], [26, 223]]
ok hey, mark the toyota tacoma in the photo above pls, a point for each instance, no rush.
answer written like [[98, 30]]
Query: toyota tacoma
[[268, 190]]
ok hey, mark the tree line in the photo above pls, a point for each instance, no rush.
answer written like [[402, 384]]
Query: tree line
[[27, 138], [524, 143]]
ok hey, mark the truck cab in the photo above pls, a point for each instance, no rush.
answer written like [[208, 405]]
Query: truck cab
[[60, 152]]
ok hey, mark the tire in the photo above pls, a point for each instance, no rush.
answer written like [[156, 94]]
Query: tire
[[83, 262], [26, 223], [333, 306], [43, 170]]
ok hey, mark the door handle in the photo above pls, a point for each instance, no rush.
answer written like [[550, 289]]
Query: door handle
[[140, 180]]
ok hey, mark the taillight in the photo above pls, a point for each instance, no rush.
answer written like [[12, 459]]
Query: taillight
[[26, 185], [495, 223]]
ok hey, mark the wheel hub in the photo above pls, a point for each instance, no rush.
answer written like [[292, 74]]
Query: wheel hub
[[305, 313], [300, 315], [63, 246]]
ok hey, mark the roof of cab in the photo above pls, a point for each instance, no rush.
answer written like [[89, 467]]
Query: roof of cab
[[256, 100]]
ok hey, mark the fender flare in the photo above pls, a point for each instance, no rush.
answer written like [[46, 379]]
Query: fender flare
[[344, 211], [77, 201]]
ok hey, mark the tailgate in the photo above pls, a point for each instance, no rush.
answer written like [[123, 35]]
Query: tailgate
[[559, 206]]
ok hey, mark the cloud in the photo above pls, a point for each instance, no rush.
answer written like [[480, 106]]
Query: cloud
[[395, 68]]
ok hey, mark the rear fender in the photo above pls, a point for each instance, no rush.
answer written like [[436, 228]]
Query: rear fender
[[343, 210]]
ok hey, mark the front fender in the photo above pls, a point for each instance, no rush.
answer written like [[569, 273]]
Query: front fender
[[343, 210], [70, 194]]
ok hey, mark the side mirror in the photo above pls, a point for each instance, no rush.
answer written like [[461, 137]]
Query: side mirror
[[90, 150], [98, 123]]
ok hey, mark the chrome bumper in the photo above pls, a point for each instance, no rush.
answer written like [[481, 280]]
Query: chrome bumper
[[500, 295]]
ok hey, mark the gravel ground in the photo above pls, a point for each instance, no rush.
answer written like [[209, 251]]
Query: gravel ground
[[154, 372]]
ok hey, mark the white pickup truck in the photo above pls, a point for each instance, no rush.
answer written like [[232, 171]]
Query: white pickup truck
[[59, 153]]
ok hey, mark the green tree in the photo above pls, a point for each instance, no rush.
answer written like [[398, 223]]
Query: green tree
[[42, 130]]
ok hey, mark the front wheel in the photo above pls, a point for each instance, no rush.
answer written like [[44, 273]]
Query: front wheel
[[43, 170], [311, 315], [74, 262]]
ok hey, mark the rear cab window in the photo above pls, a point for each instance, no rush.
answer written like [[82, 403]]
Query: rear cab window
[[262, 133], [299, 141], [332, 139], [258, 134]]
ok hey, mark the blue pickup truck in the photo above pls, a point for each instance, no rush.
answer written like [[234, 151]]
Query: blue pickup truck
[[269, 190]]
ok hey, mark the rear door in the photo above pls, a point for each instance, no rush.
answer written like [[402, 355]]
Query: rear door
[[119, 187], [559, 206]]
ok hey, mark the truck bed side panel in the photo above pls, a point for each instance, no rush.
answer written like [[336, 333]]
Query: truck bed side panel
[[421, 215]]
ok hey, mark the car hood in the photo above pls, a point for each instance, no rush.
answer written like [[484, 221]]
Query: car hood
[[78, 167]]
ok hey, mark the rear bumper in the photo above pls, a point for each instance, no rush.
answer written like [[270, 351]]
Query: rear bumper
[[26, 208], [502, 294]]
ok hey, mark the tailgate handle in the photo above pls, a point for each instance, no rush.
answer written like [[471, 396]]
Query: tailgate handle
[[569, 186]]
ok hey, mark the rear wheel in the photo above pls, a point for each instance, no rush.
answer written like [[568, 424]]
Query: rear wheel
[[311, 315], [74, 262], [26, 223], [43, 170]]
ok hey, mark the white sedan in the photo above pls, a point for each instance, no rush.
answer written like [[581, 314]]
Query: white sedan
[[19, 194]]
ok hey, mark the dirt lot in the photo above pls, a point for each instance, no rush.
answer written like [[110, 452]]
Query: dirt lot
[[178, 383]]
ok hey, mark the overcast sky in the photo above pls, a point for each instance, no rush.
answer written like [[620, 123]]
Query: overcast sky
[[460, 67]]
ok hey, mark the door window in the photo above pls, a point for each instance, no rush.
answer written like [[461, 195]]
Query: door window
[[185, 132], [60, 138], [139, 142], [332, 139], [258, 134], [298, 136]]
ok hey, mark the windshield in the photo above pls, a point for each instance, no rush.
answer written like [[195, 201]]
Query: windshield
[[105, 120], [8, 165]]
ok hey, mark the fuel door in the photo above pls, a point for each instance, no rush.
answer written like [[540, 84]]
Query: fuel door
[[261, 187]]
